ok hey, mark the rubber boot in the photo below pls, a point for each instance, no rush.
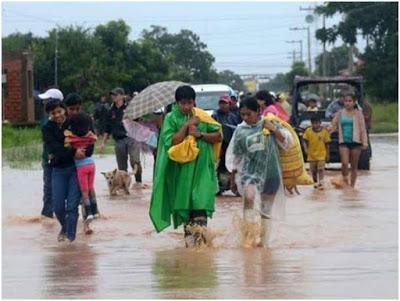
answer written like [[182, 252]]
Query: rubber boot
[[249, 228], [188, 236], [265, 232], [199, 229]]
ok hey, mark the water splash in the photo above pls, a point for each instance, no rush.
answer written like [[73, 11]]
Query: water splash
[[26, 219]]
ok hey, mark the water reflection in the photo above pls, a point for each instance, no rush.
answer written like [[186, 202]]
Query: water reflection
[[332, 244], [70, 270], [185, 273]]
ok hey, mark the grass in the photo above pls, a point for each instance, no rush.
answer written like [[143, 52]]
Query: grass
[[19, 136], [385, 117], [22, 147]]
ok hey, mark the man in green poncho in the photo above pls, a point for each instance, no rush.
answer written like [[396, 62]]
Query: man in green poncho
[[186, 190]]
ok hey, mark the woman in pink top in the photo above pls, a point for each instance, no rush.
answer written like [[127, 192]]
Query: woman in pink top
[[269, 105]]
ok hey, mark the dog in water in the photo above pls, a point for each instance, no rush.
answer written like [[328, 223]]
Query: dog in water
[[117, 180]]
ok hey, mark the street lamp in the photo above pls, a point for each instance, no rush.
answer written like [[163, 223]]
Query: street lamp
[[308, 42]]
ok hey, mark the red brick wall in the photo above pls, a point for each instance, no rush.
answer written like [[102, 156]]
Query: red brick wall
[[13, 100]]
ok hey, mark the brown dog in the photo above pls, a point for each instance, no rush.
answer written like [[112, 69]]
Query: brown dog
[[118, 179]]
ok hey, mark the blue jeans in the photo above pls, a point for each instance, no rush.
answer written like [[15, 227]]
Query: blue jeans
[[47, 199], [66, 198]]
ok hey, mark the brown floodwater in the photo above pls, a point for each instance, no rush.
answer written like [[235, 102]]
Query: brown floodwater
[[333, 244]]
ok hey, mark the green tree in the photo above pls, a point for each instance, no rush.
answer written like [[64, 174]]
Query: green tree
[[192, 62], [231, 79], [336, 60], [298, 68], [277, 84], [16, 41], [93, 61], [378, 23]]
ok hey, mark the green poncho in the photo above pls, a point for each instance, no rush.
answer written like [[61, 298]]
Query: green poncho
[[179, 188]]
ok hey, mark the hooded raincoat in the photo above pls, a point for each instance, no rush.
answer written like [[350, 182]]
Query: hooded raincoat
[[179, 188]]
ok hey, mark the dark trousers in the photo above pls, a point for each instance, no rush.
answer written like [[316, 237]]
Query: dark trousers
[[66, 198], [221, 165], [128, 147], [47, 198]]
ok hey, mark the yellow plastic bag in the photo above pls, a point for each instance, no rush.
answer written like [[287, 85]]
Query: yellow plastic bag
[[187, 150], [291, 159]]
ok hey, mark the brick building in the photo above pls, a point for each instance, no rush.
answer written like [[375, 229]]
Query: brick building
[[18, 103]]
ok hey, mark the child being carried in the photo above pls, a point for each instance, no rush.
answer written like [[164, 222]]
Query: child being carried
[[79, 135]]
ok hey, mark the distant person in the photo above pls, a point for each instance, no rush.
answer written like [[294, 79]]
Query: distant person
[[47, 210], [282, 98], [312, 105], [350, 125], [316, 144], [124, 146], [269, 105], [228, 121], [335, 106], [235, 109], [301, 107], [100, 115]]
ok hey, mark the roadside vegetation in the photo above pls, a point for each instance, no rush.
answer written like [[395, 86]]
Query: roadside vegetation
[[22, 147], [385, 117]]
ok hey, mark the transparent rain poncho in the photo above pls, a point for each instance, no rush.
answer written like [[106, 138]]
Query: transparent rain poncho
[[255, 157]]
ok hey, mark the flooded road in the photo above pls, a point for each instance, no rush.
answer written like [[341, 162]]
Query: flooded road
[[332, 244]]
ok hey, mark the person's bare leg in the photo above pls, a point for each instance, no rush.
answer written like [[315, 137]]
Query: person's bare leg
[[354, 156], [314, 173], [321, 174], [85, 213], [93, 203], [344, 158]]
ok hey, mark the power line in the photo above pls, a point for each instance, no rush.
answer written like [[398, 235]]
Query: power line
[[34, 18], [138, 19]]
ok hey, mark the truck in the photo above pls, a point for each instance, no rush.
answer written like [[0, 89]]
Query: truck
[[326, 90]]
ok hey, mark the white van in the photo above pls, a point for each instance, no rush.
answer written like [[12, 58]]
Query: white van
[[207, 96]]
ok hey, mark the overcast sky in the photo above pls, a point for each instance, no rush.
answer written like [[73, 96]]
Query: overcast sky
[[243, 37]]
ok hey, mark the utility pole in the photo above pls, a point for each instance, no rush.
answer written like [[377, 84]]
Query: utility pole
[[292, 56], [301, 50], [308, 43], [351, 63], [324, 73], [301, 47], [309, 48], [56, 61], [309, 19]]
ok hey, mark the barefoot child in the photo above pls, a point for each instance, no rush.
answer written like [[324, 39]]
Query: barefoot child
[[316, 143], [350, 125], [79, 135]]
